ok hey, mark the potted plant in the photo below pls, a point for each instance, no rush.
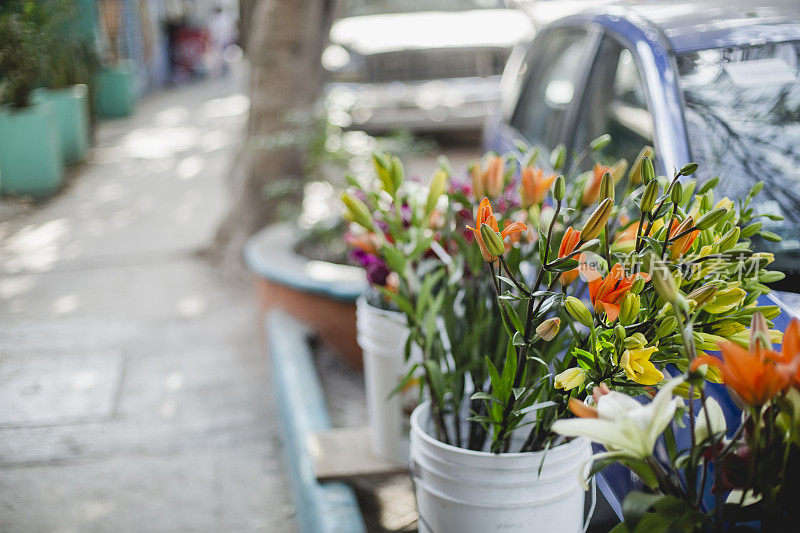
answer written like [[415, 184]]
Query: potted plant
[[70, 66], [301, 264], [488, 427], [474, 469], [30, 157], [115, 94]]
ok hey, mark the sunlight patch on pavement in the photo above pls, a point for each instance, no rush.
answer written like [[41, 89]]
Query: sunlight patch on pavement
[[236, 104]]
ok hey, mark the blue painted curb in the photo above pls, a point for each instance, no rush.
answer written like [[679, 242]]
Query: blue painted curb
[[320, 507], [269, 254]]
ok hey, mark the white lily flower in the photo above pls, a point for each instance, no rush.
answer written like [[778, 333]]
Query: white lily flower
[[739, 497], [715, 415], [623, 424]]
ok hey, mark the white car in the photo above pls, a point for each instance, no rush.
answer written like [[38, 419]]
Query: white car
[[421, 65]]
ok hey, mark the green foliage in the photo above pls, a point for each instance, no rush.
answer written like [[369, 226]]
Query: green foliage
[[22, 54]]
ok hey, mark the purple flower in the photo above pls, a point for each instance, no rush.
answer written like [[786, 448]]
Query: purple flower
[[376, 269]]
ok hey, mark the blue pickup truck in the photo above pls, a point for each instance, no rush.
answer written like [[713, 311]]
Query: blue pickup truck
[[707, 81]]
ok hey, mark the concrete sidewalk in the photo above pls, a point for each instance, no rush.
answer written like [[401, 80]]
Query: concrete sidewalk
[[133, 386]]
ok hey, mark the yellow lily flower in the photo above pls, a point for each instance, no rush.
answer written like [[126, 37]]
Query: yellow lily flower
[[638, 367]]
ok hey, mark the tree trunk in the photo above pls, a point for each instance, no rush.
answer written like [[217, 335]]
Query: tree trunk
[[285, 42]]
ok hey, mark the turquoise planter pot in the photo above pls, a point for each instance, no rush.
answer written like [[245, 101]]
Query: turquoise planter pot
[[30, 155], [72, 117], [115, 91]]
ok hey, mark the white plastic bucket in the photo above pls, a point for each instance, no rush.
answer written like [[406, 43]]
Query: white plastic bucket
[[382, 336], [463, 491]]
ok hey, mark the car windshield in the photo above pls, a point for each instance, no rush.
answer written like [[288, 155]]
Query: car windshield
[[355, 8], [743, 120]]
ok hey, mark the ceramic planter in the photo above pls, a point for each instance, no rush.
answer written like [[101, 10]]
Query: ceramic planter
[[30, 155], [465, 491], [114, 91], [319, 293], [72, 118]]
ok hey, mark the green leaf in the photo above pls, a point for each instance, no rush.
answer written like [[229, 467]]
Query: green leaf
[[408, 378], [635, 506], [519, 339], [509, 370], [542, 245], [401, 301], [494, 378], [484, 396], [565, 266]]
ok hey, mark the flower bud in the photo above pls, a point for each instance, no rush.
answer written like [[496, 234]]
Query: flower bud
[[629, 309], [637, 340], [597, 220], [763, 258], [619, 331], [559, 188], [578, 311], [398, 173], [759, 333], [638, 285], [383, 168], [677, 193], [711, 218], [727, 328], [607, 186], [618, 169], [730, 239], [549, 328], [688, 169], [635, 175], [600, 142], [436, 189], [558, 157], [649, 197], [357, 211], [648, 172], [492, 240], [662, 280], [725, 300], [666, 327], [703, 295], [570, 378]]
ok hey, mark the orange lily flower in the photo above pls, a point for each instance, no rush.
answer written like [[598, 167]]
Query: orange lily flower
[[533, 185], [607, 293], [569, 242], [582, 410], [485, 215], [488, 181], [790, 349], [758, 374], [592, 190], [682, 245], [514, 236], [629, 233]]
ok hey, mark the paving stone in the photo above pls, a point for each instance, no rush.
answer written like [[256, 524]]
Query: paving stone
[[126, 493], [50, 390]]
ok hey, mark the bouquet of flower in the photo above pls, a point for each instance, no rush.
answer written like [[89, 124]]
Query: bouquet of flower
[[752, 473], [509, 333]]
